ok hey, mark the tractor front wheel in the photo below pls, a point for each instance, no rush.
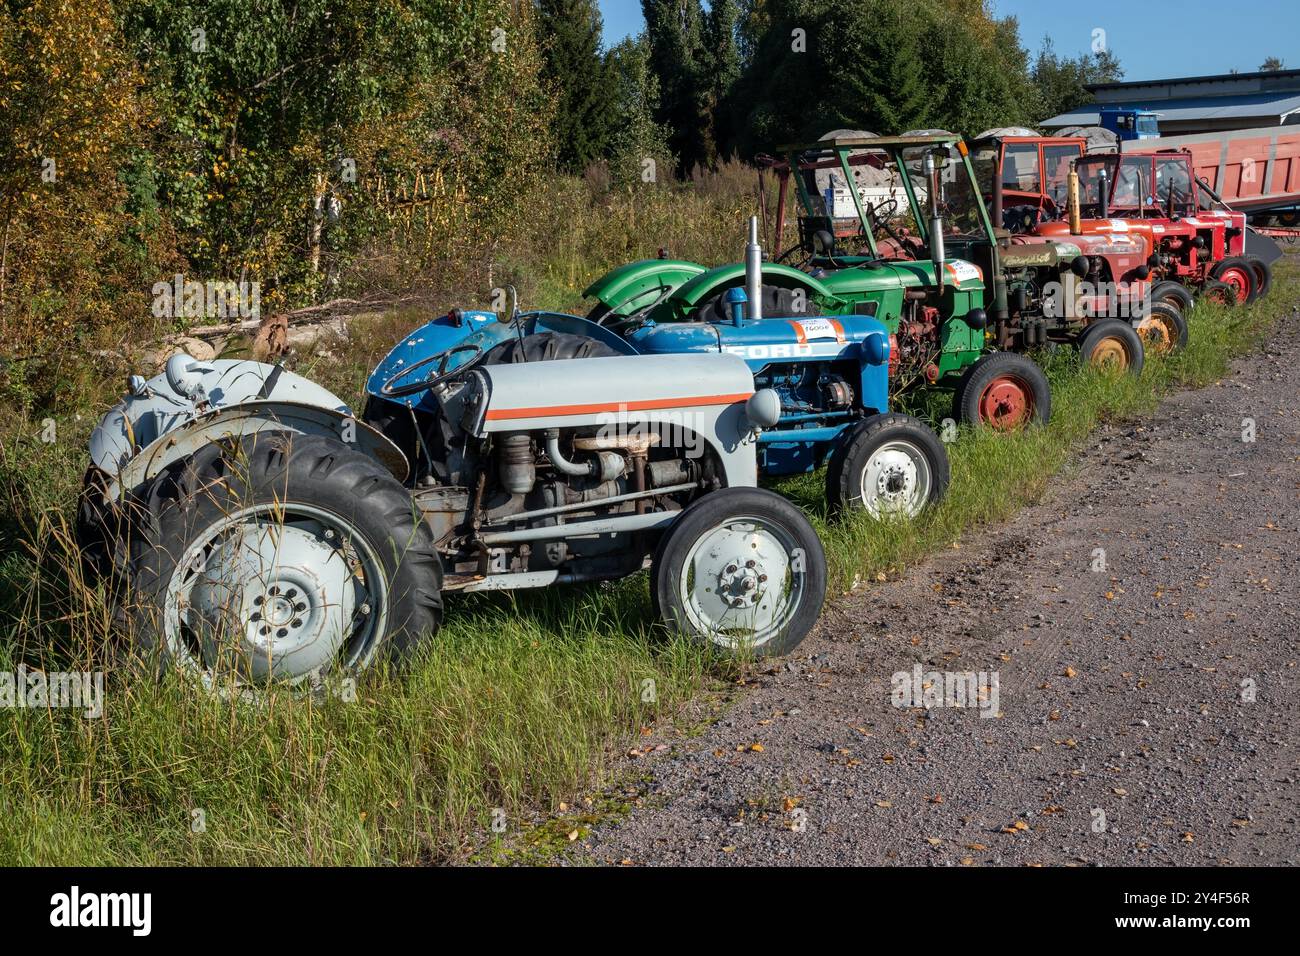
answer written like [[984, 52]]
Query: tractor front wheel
[[1173, 293], [1220, 293], [887, 465], [1238, 273], [1163, 329], [1112, 346], [1005, 391], [1263, 276], [741, 571]]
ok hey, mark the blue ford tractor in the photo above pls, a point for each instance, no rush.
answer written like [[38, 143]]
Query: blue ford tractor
[[828, 378]]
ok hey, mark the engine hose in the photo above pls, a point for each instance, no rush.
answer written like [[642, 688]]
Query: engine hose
[[606, 465], [562, 464]]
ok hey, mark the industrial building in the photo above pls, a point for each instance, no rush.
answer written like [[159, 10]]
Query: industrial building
[[1199, 104]]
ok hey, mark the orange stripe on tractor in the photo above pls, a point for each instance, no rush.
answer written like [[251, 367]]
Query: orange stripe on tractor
[[509, 414]]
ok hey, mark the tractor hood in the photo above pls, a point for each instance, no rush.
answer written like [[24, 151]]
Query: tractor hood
[[763, 342], [419, 354], [877, 275]]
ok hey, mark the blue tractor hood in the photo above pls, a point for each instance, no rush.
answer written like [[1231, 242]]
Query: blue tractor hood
[[416, 357]]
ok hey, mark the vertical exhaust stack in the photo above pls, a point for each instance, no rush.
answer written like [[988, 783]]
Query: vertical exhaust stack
[[754, 271], [931, 170], [1072, 201]]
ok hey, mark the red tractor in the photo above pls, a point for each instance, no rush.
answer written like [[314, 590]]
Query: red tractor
[[1195, 239], [1155, 195]]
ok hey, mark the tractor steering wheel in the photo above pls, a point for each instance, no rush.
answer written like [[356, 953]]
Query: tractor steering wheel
[[389, 389], [880, 215], [880, 220]]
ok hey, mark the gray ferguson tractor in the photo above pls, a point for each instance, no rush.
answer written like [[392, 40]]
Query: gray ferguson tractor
[[253, 529]]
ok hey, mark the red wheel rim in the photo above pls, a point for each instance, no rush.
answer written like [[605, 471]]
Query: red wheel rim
[[1006, 403], [1239, 279]]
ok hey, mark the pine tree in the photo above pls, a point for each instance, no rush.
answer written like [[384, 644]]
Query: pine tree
[[675, 33], [723, 42], [581, 79], [637, 137]]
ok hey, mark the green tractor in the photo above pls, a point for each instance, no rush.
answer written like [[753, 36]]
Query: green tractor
[[895, 228]]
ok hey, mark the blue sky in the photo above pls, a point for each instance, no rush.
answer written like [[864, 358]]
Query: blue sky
[[1152, 39]]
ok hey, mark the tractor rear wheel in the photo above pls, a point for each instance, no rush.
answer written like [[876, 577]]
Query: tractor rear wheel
[[1003, 390], [1238, 273], [547, 347], [1263, 276], [777, 301], [1163, 329], [281, 557], [1112, 346], [741, 571], [887, 465]]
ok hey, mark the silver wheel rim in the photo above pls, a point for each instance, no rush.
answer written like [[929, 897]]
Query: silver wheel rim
[[282, 593], [896, 480], [742, 582]]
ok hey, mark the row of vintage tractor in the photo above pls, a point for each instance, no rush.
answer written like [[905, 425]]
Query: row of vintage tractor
[[975, 253], [254, 529]]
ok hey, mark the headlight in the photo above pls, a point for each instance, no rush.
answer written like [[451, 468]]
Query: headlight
[[763, 408]]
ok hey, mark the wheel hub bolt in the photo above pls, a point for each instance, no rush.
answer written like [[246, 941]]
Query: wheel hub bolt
[[365, 609]]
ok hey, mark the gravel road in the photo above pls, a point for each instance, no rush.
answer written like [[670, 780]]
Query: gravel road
[[1147, 713]]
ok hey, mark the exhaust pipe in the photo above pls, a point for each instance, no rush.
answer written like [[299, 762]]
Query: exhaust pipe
[[931, 171], [1072, 201], [754, 271]]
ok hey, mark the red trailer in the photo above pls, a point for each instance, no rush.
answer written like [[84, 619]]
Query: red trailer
[[1255, 171]]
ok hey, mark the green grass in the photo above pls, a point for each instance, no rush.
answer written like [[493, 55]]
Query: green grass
[[515, 706]]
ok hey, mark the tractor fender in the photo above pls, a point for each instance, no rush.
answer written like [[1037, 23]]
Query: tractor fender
[[708, 284], [161, 419], [639, 284], [247, 418]]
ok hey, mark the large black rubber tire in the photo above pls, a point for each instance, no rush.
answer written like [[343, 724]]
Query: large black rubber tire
[[860, 443], [1221, 292], [1241, 266], [778, 301], [1263, 276], [709, 512], [395, 422], [1174, 293], [547, 347], [1174, 326], [100, 529], [1117, 332], [282, 468], [1020, 369]]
